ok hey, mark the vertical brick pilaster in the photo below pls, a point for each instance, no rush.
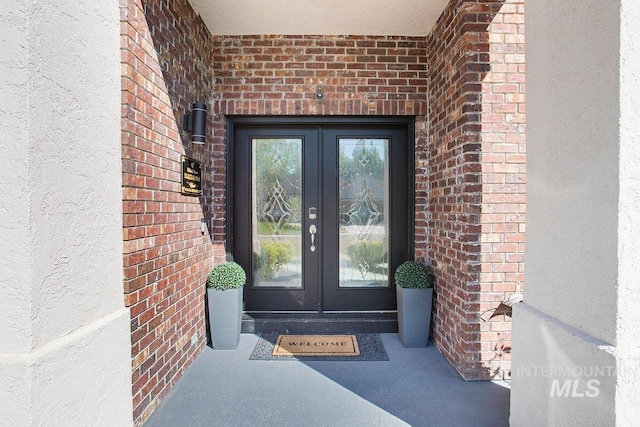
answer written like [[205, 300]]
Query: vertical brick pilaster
[[166, 66], [476, 179], [503, 184]]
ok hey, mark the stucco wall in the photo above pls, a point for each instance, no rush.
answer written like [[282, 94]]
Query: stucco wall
[[15, 247], [579, 322], [565, 374], [14, 209], [628, 330], [572, 116], [65, 348]]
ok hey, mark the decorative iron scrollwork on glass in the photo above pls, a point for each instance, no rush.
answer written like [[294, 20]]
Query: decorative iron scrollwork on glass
[[363, 212], [276, 211]]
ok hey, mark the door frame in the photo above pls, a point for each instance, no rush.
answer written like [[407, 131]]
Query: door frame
[[398, 121]]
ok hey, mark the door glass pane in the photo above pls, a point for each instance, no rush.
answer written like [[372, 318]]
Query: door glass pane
[[363, 212], [277, 212]]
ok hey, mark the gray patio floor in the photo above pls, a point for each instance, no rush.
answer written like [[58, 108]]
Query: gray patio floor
[[415, 387]]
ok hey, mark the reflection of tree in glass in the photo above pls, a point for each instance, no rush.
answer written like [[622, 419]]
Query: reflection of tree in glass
[[363, 158], [279, 159], [278, 175], [367, 257], [273, 257]]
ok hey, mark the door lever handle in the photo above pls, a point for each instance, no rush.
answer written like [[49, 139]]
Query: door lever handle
[[312, 231]]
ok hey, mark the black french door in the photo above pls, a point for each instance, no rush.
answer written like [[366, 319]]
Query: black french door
[[321, 212]]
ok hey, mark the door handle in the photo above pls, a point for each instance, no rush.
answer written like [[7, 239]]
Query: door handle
[[312, 231]]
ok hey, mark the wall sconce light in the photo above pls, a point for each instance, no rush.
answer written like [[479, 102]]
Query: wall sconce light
[[203, 225], [195, 122]]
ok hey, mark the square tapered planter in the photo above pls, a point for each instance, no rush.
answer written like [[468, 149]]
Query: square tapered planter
[[414, 315], [225, 317]]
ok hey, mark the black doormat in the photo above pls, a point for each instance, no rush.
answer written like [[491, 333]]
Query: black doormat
[[370, 346]]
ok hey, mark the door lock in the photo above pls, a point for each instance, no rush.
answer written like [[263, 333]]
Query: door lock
[[312, 231]]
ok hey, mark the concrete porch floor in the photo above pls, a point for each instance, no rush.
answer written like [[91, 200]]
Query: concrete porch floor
[[416, 387]]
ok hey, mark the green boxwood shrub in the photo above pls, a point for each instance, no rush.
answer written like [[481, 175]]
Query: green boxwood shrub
[[228, 275], [412, 274]]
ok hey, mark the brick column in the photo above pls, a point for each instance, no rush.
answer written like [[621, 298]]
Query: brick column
[[166, 67], [475, 157]]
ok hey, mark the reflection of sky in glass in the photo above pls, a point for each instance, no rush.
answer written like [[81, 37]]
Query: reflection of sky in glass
[[349, 146]]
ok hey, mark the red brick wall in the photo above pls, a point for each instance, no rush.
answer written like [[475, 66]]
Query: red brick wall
[[476, 176], [166, 66], [280, 75]]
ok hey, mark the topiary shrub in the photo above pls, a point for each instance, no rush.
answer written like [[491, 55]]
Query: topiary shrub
[[412, 274], [228, 275]]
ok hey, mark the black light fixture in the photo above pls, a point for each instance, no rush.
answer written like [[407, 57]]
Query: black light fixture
[[195, 123]]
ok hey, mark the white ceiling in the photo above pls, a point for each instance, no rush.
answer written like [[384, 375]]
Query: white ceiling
[[320, 17]]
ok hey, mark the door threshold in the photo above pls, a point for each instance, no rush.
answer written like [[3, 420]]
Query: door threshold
[[320, 323]]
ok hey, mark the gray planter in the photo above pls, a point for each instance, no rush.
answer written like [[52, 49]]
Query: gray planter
[[414, 315], [225, 317]]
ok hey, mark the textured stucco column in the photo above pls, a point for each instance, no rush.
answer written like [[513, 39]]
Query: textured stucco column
[[576, 337], [64, 331]]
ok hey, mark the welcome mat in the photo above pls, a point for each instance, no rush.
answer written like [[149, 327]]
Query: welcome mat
[[358, 347], [316, 345]]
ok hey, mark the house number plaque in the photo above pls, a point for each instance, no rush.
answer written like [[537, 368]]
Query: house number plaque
[[191, 177]]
